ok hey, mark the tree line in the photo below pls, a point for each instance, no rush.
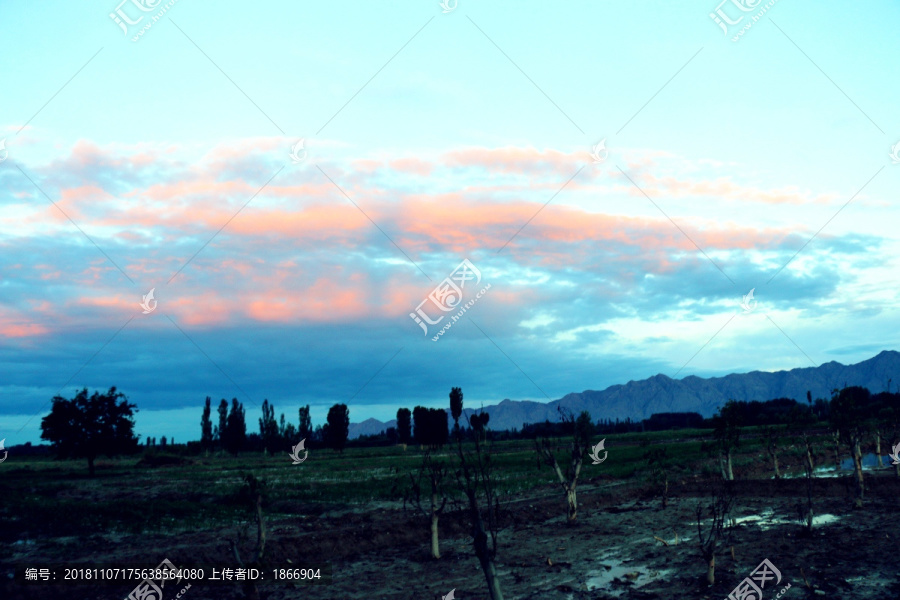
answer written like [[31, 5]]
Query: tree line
[[274, 435]]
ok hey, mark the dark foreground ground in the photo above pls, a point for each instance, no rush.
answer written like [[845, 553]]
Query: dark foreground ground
[[380, 551]]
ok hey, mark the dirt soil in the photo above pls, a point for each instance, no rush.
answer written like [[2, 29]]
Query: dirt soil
[[381, 551]]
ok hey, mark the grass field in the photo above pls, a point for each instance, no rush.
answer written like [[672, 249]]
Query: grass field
[[348, 508], [166, 490]]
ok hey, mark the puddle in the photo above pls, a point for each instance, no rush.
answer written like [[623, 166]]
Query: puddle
[[767, 520], [869, 462], [615, 578]]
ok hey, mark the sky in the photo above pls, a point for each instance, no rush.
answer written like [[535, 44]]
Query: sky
[[295, 181]]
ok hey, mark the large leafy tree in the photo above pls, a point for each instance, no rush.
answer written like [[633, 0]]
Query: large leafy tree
[[219, 433], [456, 407], [404, 425], [430, 426], [286, 433], [268, 427], [206, 426], [420, 425], [304, 429], [438, 426], [337, 427], [235, 428], [86, 427]]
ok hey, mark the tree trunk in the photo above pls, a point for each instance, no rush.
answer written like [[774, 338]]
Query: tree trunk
[[479, 538], [435, 547], [572, 502], [90, 465], [260, 531], [878, 449], [857, 465], [837, 453], [810, 473], [809, 459], [722, 466], [568, 486], [711, 571], [730, 471], [665, 494], [775, 462]]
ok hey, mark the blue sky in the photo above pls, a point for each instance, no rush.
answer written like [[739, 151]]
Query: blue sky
[[431, 138]]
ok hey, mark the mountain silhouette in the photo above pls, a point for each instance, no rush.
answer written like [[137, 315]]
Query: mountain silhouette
[[639, 399]]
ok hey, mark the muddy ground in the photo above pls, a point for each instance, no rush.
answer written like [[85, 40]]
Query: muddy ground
[[381, 551]]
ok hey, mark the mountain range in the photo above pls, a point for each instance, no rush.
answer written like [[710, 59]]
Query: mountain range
[[639, 399]]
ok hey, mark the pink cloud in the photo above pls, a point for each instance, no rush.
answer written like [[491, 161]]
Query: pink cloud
[[11, 330], [724, 188], [412, 165], [515, 160], [268, 264], [15, 325]]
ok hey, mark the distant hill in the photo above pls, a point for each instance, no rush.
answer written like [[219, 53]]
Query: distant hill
[[369, 427], [639, 399]]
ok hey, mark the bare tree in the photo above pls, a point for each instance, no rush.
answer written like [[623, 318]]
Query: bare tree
[[887, 423], [850, 417], [727, 434], [434, 471], [658, 465], [892, 415], [718, 510], [806, 512], [252, 493], [580, 430], [802, 423], [772, 446], [878, 458], [475, 479], [836, 438]]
